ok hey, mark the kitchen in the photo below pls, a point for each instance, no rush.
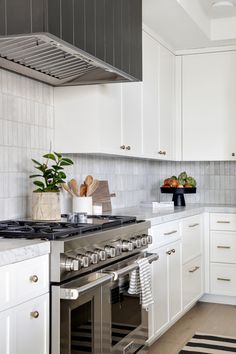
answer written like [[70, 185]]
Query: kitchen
[[133, 135]]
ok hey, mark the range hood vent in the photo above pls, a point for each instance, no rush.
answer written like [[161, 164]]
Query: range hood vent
[[50, 55]]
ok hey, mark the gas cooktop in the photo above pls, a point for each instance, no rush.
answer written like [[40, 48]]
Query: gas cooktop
[[60, 229]]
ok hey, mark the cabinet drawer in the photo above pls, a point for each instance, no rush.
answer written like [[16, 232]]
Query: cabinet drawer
[[165, 233], [223, 246], [192, 281], [192, 235], [225, 222], [223, 279], [23, 281]]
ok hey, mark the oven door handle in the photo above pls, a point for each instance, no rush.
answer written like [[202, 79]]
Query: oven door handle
[[75, 293], [120, 272]]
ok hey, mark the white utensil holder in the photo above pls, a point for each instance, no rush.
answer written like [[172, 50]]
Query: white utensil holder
[[82, 205]]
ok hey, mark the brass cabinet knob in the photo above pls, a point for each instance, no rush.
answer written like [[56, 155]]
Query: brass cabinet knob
[[34, 314], [169, 253], [173, 251], [122, 147], [34, 278], [128, 147], [233, 153], [162, 152]]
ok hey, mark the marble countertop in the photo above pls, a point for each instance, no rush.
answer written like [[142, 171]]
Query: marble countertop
[[161, 215], [12, 250]]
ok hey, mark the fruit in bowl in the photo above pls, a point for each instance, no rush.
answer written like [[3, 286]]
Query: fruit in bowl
[[182, 181]]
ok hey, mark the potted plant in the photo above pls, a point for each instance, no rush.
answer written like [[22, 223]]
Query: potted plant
[[46, 198]]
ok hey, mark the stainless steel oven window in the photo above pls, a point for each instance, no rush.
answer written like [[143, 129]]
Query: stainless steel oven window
[[126, 310]]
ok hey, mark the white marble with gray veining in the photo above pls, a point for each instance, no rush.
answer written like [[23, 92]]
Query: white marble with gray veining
[[12, 251], [159, 216]]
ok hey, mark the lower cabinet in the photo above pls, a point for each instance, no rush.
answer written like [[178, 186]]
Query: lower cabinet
[[24, 328], [192, 281], [166, 288]]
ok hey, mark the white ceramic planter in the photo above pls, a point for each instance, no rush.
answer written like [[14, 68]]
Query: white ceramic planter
[[82, 205], [46, 206]]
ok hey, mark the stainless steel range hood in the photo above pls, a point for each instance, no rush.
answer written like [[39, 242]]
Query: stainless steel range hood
[[55, 59]]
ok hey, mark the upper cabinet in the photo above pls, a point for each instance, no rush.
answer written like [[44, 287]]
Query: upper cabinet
[[131, 119], [158, 100], [209, 106]]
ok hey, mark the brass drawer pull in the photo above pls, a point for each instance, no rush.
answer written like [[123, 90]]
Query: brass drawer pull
[[224, 247], [170, 233], [194, 269], [224, 279], [34, 314], [34, 278], [223, 222], [193, 225]]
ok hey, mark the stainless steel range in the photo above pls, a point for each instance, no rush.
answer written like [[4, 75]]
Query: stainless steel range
[[91, 262]]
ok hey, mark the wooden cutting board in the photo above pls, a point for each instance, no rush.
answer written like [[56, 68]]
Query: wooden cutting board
[[102, 196]]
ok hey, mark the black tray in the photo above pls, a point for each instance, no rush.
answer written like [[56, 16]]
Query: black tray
[[178, 194]]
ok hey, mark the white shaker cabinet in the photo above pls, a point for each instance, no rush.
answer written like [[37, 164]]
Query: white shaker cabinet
[[150, 96], [158, 99], [24, 307], [209, 106], [166, 276], [88, 119], [129, 119]]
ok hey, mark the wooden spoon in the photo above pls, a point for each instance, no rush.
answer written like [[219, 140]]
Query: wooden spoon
[[92, 188], [83, 190], [74, 187], [88, 180]]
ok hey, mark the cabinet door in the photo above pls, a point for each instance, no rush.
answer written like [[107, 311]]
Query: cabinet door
[[132, 119], [174, 261], [32, 326], [209, 106], [150, 96], [160, 312], [7, 343], [192, 281], [166, 103]]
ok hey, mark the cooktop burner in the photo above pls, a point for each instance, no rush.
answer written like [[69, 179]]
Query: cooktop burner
[[60, 229]]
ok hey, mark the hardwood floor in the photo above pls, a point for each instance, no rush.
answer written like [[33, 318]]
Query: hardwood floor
[[204, 317]]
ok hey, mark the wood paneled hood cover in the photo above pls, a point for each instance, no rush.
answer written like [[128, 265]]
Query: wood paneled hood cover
[[72, 42]]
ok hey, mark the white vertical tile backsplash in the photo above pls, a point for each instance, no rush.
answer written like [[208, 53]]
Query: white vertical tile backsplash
[[26, 130]]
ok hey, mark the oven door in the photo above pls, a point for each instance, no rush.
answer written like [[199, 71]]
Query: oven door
[[78, 324], [129, 321]]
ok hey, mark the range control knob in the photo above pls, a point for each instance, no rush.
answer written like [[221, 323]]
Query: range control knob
[[84, 260], [144, 240], [111, 251], [94, 258], [101, 254], [149, 238], [71, 264], [137, 242], [127, 246]]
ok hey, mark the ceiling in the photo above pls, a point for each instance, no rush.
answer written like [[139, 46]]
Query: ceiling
[[186, 24]]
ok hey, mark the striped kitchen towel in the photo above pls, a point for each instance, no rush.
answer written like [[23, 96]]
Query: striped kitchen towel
[[209, 344], [140, 283]]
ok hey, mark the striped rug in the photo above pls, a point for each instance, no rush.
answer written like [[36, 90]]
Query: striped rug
[[209, 344]]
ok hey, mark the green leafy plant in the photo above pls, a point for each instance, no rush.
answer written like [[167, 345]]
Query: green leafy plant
[[52, 175]]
